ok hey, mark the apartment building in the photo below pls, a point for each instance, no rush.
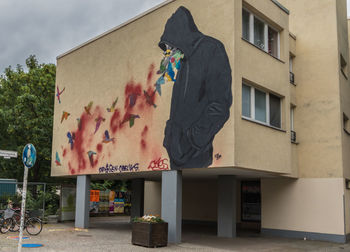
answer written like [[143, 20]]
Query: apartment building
[[232, 111]]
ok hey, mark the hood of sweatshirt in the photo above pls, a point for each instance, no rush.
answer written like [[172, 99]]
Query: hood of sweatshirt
[[181, 32]]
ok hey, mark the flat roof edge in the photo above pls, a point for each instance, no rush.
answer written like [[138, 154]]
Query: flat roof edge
[[280, 6], [116, 28]]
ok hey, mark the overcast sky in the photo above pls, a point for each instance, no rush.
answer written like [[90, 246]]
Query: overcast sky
[[48, 28]]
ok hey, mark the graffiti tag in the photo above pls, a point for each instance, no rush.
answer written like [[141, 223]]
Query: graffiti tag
[[217, 156], [159, 164], [109, 168]]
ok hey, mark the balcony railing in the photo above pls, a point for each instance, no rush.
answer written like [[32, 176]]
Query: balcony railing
[[291, 77], [293, 136]]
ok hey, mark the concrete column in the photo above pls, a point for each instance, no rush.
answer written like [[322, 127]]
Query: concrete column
[[137, 197], [227, 206], [172, 204], [82, 203]]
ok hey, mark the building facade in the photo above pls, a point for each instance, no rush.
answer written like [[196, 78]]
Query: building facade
[[234, 112]]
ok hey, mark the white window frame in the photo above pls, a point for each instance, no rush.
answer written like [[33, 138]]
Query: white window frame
[[252, 107], [266, 28]]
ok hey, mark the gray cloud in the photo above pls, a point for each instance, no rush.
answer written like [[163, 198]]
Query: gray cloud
[[48, 28]]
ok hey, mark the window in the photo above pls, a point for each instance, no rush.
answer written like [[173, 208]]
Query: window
[[259, 36], [259, 33], [275, 111], [292, 131], [273, 42], [260, 106], [245, 24], [291, 74], [343, 66], [246, 101]]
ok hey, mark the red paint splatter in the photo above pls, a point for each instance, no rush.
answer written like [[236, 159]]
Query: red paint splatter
[[79, 150], [71, 170], [150, 74], [143, 138], [141, 106], [99, 147], [144, 132], [143, 144], [134, 90], [114, 123], [64, 152]]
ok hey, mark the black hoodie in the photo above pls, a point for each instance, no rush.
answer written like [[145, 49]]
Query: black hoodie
[[201, 96]]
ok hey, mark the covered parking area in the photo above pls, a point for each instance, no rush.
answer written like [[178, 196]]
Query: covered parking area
[[208, 201]]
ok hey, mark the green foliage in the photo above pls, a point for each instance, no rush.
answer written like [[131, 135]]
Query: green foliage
[[115, 185], [102, 185], [52, 201], [26, 116], [35, 200]]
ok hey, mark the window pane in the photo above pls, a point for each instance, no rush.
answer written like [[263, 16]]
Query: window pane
[[260, 106], [273, 42], [245, 24], [246, 100], [259, 33], [275, 111]]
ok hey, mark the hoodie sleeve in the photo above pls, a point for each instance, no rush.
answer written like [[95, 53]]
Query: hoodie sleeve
[[218, 91]]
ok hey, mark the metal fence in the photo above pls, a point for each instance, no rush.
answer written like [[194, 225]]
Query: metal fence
[[11, 192]]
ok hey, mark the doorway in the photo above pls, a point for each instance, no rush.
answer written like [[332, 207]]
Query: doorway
[[250, 205]]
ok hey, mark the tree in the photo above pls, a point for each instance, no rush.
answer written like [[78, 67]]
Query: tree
[[26, 116]]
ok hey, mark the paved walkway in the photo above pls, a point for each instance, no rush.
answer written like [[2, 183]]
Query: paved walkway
[[114, 234]]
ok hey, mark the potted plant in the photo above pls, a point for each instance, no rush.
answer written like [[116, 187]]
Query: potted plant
[[149, 231]]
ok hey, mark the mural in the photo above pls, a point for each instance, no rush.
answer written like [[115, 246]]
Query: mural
[[118, 133], [201, 96]]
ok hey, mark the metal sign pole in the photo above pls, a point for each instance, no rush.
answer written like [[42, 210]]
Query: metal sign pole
[[24, 195], [28, 158]]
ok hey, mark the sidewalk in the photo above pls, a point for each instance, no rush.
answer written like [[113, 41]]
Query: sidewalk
[[114, 234]]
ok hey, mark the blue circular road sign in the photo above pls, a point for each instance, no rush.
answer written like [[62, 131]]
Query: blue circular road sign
[[29, 156]]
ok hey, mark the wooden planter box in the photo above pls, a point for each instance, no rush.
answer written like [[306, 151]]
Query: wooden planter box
[[150, 234]]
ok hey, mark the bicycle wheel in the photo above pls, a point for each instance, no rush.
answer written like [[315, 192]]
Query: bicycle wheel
[[5, 225], [33, 226], [16, 222]]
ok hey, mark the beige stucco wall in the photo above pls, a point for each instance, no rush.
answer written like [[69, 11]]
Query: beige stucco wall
[[343, 47], [317, 74], [99, 72], [257, 146], [306, 204], [347, 209], [152, 198], [199, 200]]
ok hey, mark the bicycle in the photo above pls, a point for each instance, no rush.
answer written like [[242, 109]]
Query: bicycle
[[5, 222], [32, 225]]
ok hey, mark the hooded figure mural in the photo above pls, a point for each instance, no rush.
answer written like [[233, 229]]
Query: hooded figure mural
[[201, 96]]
